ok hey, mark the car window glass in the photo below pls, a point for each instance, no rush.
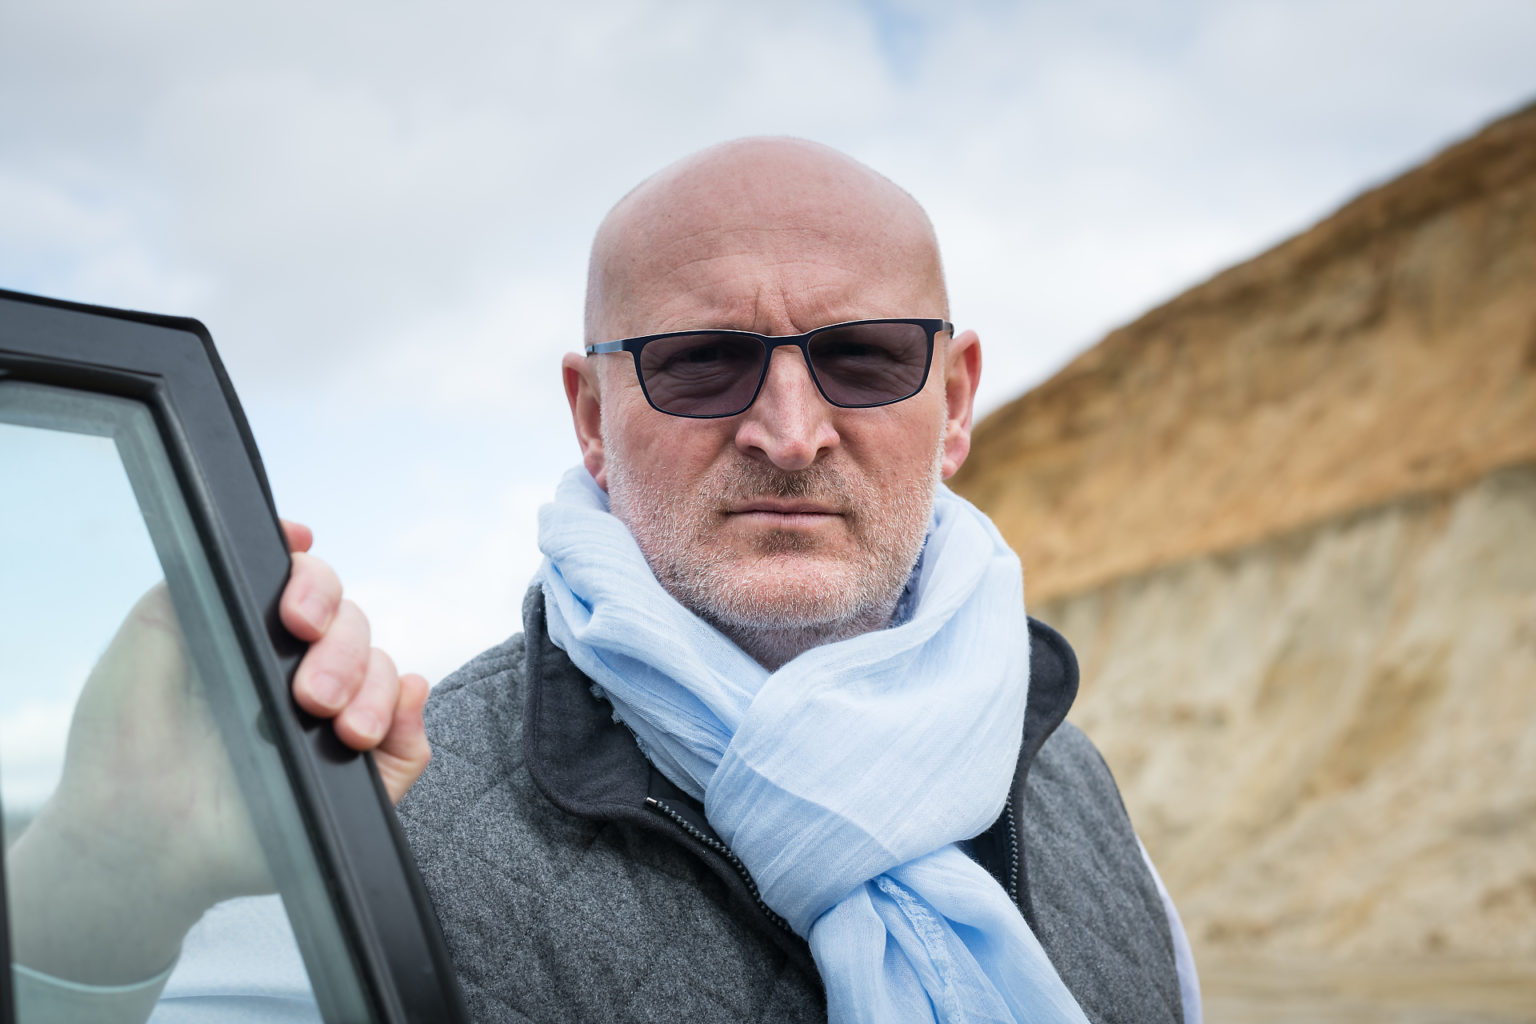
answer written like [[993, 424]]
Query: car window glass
[[115, 649]]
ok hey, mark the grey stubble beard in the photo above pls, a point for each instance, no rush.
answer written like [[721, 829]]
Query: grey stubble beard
[[771, 617]]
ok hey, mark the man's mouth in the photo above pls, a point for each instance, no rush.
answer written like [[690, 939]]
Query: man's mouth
[[784, 514], [762, 499], [771, 506]]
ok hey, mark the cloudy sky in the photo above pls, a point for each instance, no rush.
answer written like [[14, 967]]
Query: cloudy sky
[[381, 210]]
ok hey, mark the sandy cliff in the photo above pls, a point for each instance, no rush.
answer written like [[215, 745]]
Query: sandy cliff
[[1389, 350], [1288, 519]]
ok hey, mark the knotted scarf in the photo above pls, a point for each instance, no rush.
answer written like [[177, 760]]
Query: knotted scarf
[[844, 779]]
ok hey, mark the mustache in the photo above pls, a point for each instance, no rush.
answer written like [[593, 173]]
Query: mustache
[[747, 480]]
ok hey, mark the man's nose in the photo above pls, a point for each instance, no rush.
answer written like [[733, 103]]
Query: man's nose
[[790, 423]]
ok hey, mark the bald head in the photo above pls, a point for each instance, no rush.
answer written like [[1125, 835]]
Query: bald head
[[776, 235]]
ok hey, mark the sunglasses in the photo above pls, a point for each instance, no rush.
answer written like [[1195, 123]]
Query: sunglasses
[[709, 374]]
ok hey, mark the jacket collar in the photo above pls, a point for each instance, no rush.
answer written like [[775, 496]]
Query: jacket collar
[[584, 760], [1052, 688]]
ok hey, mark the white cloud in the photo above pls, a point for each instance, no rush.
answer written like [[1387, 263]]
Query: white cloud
[[381, 211]]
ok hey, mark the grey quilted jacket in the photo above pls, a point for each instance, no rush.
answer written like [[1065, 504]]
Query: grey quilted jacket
[[574, 883]]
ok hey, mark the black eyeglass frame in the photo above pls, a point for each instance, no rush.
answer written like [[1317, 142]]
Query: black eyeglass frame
[[932, 325]]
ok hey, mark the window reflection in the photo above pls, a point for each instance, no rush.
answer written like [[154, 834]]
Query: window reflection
[[70, 539], [137, 785]]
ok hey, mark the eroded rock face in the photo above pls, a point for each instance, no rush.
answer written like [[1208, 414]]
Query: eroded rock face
[[1288, 520], [1389, 350]]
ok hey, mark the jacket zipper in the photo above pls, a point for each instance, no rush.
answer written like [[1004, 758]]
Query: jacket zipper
[[720, 848], [1013, 855]]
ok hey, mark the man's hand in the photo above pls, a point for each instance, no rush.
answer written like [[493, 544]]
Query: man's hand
[[344, 679]]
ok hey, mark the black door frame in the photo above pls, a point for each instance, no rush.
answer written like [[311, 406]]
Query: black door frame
[[170, 365]]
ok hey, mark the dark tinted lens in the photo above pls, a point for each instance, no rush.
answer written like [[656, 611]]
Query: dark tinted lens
[[702, 374], [870, 364]]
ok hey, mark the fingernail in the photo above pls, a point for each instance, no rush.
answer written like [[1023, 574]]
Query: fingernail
[[367, 725], [312, 609], [326, 689]]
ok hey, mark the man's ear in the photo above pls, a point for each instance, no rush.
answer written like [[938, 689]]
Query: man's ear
[[581, 390], [962, 372]]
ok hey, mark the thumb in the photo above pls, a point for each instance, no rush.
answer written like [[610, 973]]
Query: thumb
[[403, 754]]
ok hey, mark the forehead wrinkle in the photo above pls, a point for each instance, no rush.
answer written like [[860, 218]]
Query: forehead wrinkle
[[824, 250], [661, 250], [794, 276], [815, 301]]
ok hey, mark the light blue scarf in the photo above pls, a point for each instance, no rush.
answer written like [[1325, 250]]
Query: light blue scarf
[[844, 779]]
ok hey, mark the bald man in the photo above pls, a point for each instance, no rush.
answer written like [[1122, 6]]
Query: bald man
[[777, 741]]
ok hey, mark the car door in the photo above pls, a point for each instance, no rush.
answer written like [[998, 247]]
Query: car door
[[151, 757]]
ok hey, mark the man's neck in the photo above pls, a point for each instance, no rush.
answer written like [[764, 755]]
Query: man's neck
[[774, 646]]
